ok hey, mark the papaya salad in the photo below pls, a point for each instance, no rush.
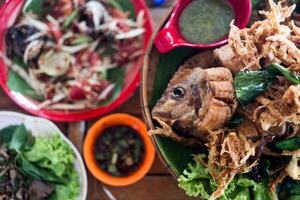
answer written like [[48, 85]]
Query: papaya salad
[[72, 54], [239, 105]]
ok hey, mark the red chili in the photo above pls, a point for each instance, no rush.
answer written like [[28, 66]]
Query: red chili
[[55, 31]]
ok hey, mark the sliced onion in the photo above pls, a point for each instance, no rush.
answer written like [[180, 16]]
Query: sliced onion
[[58, 97], [140, 18], [75, 49], [104, 94], [32, 50], [293, 169], [29, 20], [66, 106], [130, 34], [35, 36]]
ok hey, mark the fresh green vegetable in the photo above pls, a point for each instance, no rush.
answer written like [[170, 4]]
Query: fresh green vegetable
[[51, 154], [37, 7], [290, 144], [54, 63], [69, 190], [19, 138], [18, 84], [81, 40], [33, 171], [6, 134], [123, 5], [70, 19], [235, 120], [19, 61], [54, 155], [257, 3], [250, 84], [48, 159], [197, 182], [289, 190], [276, 70]]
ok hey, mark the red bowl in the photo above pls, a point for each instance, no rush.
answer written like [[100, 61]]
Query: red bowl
[[8, 14], [170, 37]]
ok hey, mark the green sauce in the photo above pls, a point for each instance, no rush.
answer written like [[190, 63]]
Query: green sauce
[[205, 21]]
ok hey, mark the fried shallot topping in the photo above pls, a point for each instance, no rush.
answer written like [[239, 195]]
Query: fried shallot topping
[[271, 39], [228, 157]]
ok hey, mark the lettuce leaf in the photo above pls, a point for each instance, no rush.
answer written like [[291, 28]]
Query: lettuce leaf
[[196, 181], [68, 191], [55, 156], [52, 154]]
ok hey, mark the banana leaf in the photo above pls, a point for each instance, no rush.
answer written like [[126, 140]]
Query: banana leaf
[[124, 5], [18, 84], [38, 7], [116, 76], [175, 154]]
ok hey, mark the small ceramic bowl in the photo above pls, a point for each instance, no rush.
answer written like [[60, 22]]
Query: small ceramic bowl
[[44, 128], [170, 37], [97, 129]]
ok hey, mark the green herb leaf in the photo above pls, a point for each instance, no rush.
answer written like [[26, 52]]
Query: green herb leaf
[[19, 61], [235, 120], [123, 5], [250, 84], [51, 154], [276, 69], [289, 189], [30, 170], [7, 133], [19, 138], [293, 1], [81, 40], [115, 4], [70, 19], [256, 3], [17, 84], [37, 7], [290, 144]]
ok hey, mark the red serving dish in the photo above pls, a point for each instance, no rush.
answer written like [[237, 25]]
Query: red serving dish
[[8, 14], [170, 37]]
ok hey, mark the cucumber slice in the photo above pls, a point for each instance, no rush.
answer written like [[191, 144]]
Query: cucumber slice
[[55, 63]]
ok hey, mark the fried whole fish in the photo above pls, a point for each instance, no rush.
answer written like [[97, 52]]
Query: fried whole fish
[[196, 101]]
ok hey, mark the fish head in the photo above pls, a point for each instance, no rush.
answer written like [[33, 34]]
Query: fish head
[[181, 100]]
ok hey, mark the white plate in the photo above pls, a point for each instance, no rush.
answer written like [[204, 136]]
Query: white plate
[[45, 128]]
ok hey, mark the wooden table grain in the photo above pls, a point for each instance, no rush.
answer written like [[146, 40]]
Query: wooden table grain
[[158, 184]]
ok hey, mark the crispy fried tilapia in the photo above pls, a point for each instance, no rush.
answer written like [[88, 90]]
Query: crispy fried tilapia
[[196, 100]]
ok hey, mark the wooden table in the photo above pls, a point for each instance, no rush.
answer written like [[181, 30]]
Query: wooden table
[[157, 185]]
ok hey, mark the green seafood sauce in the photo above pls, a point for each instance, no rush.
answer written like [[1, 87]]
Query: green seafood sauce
[[205, 21]]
